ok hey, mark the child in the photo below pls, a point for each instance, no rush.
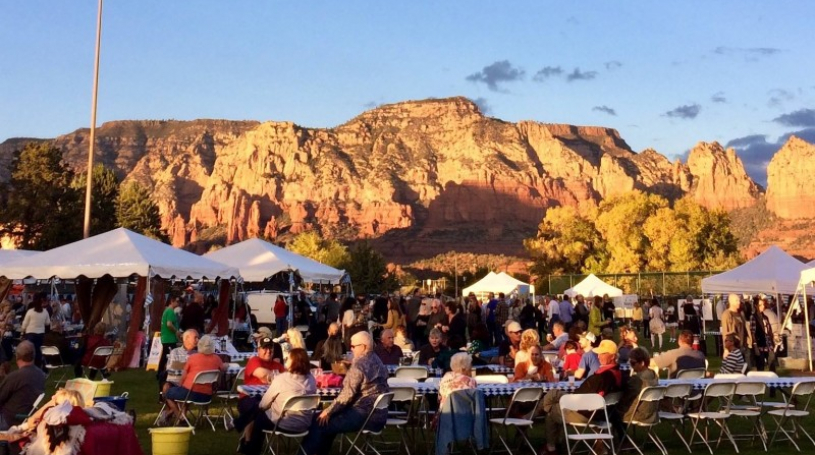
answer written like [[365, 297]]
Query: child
[[572, 358]]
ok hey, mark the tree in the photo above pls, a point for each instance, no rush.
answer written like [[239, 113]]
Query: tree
[[567, 242], [40, 210], [104, 194], [135, 210], [621, 222], [368, 271], [312, 245]]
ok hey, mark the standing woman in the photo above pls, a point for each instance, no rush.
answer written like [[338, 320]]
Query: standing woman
[[34, 323], [657, 325]]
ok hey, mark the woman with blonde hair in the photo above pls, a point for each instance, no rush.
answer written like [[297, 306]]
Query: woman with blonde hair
[[529, 339]]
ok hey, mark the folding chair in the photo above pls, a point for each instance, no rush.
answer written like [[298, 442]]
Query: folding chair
[[677, 393], [572, 404], [381, 404], [767, 375], [411, 372], [728, 376], [529, 396], [691, 373], [647, 396], [210, 377], [403, 396], [227, 397], [302, 404], [801, 395], [53, 363], [100, 356], [493, 379], [753, 392], [715, 407], [397, 382]]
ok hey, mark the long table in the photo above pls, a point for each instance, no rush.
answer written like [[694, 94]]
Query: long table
[[509, 389]]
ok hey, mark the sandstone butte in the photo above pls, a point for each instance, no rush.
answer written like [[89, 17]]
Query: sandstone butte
[[419, 177]]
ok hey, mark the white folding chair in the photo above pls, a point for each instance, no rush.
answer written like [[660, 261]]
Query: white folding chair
[[403, 396], [492, 379], [649, 396], [434, 381], [767, 375], [227, 397], [715, 408], [678, 394], [691, 373], [381, 404], [571, 406], [797, 408], [304, 404], [526, 396], [36, 404], [203, 378], [753, 392], [728, 376], [54, 363], [402, 382], [410, 372]]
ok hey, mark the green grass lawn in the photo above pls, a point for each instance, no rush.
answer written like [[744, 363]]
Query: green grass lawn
[[142, 389]]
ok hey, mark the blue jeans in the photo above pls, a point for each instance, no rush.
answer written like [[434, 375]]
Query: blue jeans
[[180, 394], [320, 438]]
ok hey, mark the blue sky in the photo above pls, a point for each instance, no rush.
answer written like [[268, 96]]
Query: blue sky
[[665, 74]]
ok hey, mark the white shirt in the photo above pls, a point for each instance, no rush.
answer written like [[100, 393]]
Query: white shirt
[[35, 322]]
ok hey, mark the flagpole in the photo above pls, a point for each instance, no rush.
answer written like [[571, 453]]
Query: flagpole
[[87, 225]]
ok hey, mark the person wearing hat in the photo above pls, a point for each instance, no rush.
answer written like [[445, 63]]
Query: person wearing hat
[[510, 346], [260, 370], [265, 332], [204, 360], [606, 380], [589, 362]]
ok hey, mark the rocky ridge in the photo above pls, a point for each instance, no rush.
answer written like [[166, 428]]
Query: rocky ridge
[[418, 177]]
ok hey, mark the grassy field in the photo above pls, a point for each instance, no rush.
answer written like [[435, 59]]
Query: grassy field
[[142, 389]]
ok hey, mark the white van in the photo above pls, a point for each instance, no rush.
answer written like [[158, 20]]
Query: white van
[[262, 305]]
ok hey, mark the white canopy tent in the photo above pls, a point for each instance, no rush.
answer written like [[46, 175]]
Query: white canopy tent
[[118, 253], [258, 260], [592, 286], [499, 282], [7, 256], [774, 271]]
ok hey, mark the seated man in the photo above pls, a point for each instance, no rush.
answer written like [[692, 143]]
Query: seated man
[[260, 369], [682, 358], [734, 361], [171, 377], [21, 387], [641, 377], [607, 379], [367, 378], [265, 332], [558, 338], [589, 361], [511, 345], [386, 350], [204, 360]]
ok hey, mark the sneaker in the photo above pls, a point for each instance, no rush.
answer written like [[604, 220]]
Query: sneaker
[[229, 422], [163, 420]]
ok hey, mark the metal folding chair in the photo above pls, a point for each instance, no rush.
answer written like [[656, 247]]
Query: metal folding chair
[[580, 431], [526, 396], [381, 404], [301, 404], [411, 372], [678, 394], [715, 408], [402, 396], [753, 392], [691, 373], [101, 354], [648, 396], [797, 409], [54, 363], [227, 397], [210, 377]]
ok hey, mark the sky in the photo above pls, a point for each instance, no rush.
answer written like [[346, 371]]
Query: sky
[[666, 75]]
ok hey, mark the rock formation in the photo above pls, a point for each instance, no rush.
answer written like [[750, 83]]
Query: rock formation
[[790, 191], [419, 177]]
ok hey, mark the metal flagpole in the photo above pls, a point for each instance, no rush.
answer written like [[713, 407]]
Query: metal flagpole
[[89, 185]]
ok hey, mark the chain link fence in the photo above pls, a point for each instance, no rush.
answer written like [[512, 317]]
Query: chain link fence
[[660, 283]]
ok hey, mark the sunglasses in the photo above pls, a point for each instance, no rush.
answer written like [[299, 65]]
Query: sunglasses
[[356, 345], [515, 332]]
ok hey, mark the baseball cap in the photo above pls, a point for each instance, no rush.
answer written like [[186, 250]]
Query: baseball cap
[[606, 347], [266, 342], [262, 332], [513, 326], [608, 332], [588, 336]]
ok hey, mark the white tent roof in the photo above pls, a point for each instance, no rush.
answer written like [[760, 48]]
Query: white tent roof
[[258, 260], [592, 286], [7, 256], [118, 253], [495, 282], [773, 271]]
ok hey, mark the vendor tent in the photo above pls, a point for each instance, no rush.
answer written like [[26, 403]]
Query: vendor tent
[[592, 286], [118, 253], [773, 271], [257, 260], [808, 275], [497, 282], [7, 256]]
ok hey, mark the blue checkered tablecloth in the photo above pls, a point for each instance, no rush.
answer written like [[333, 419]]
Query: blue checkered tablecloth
[[700, 384]]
